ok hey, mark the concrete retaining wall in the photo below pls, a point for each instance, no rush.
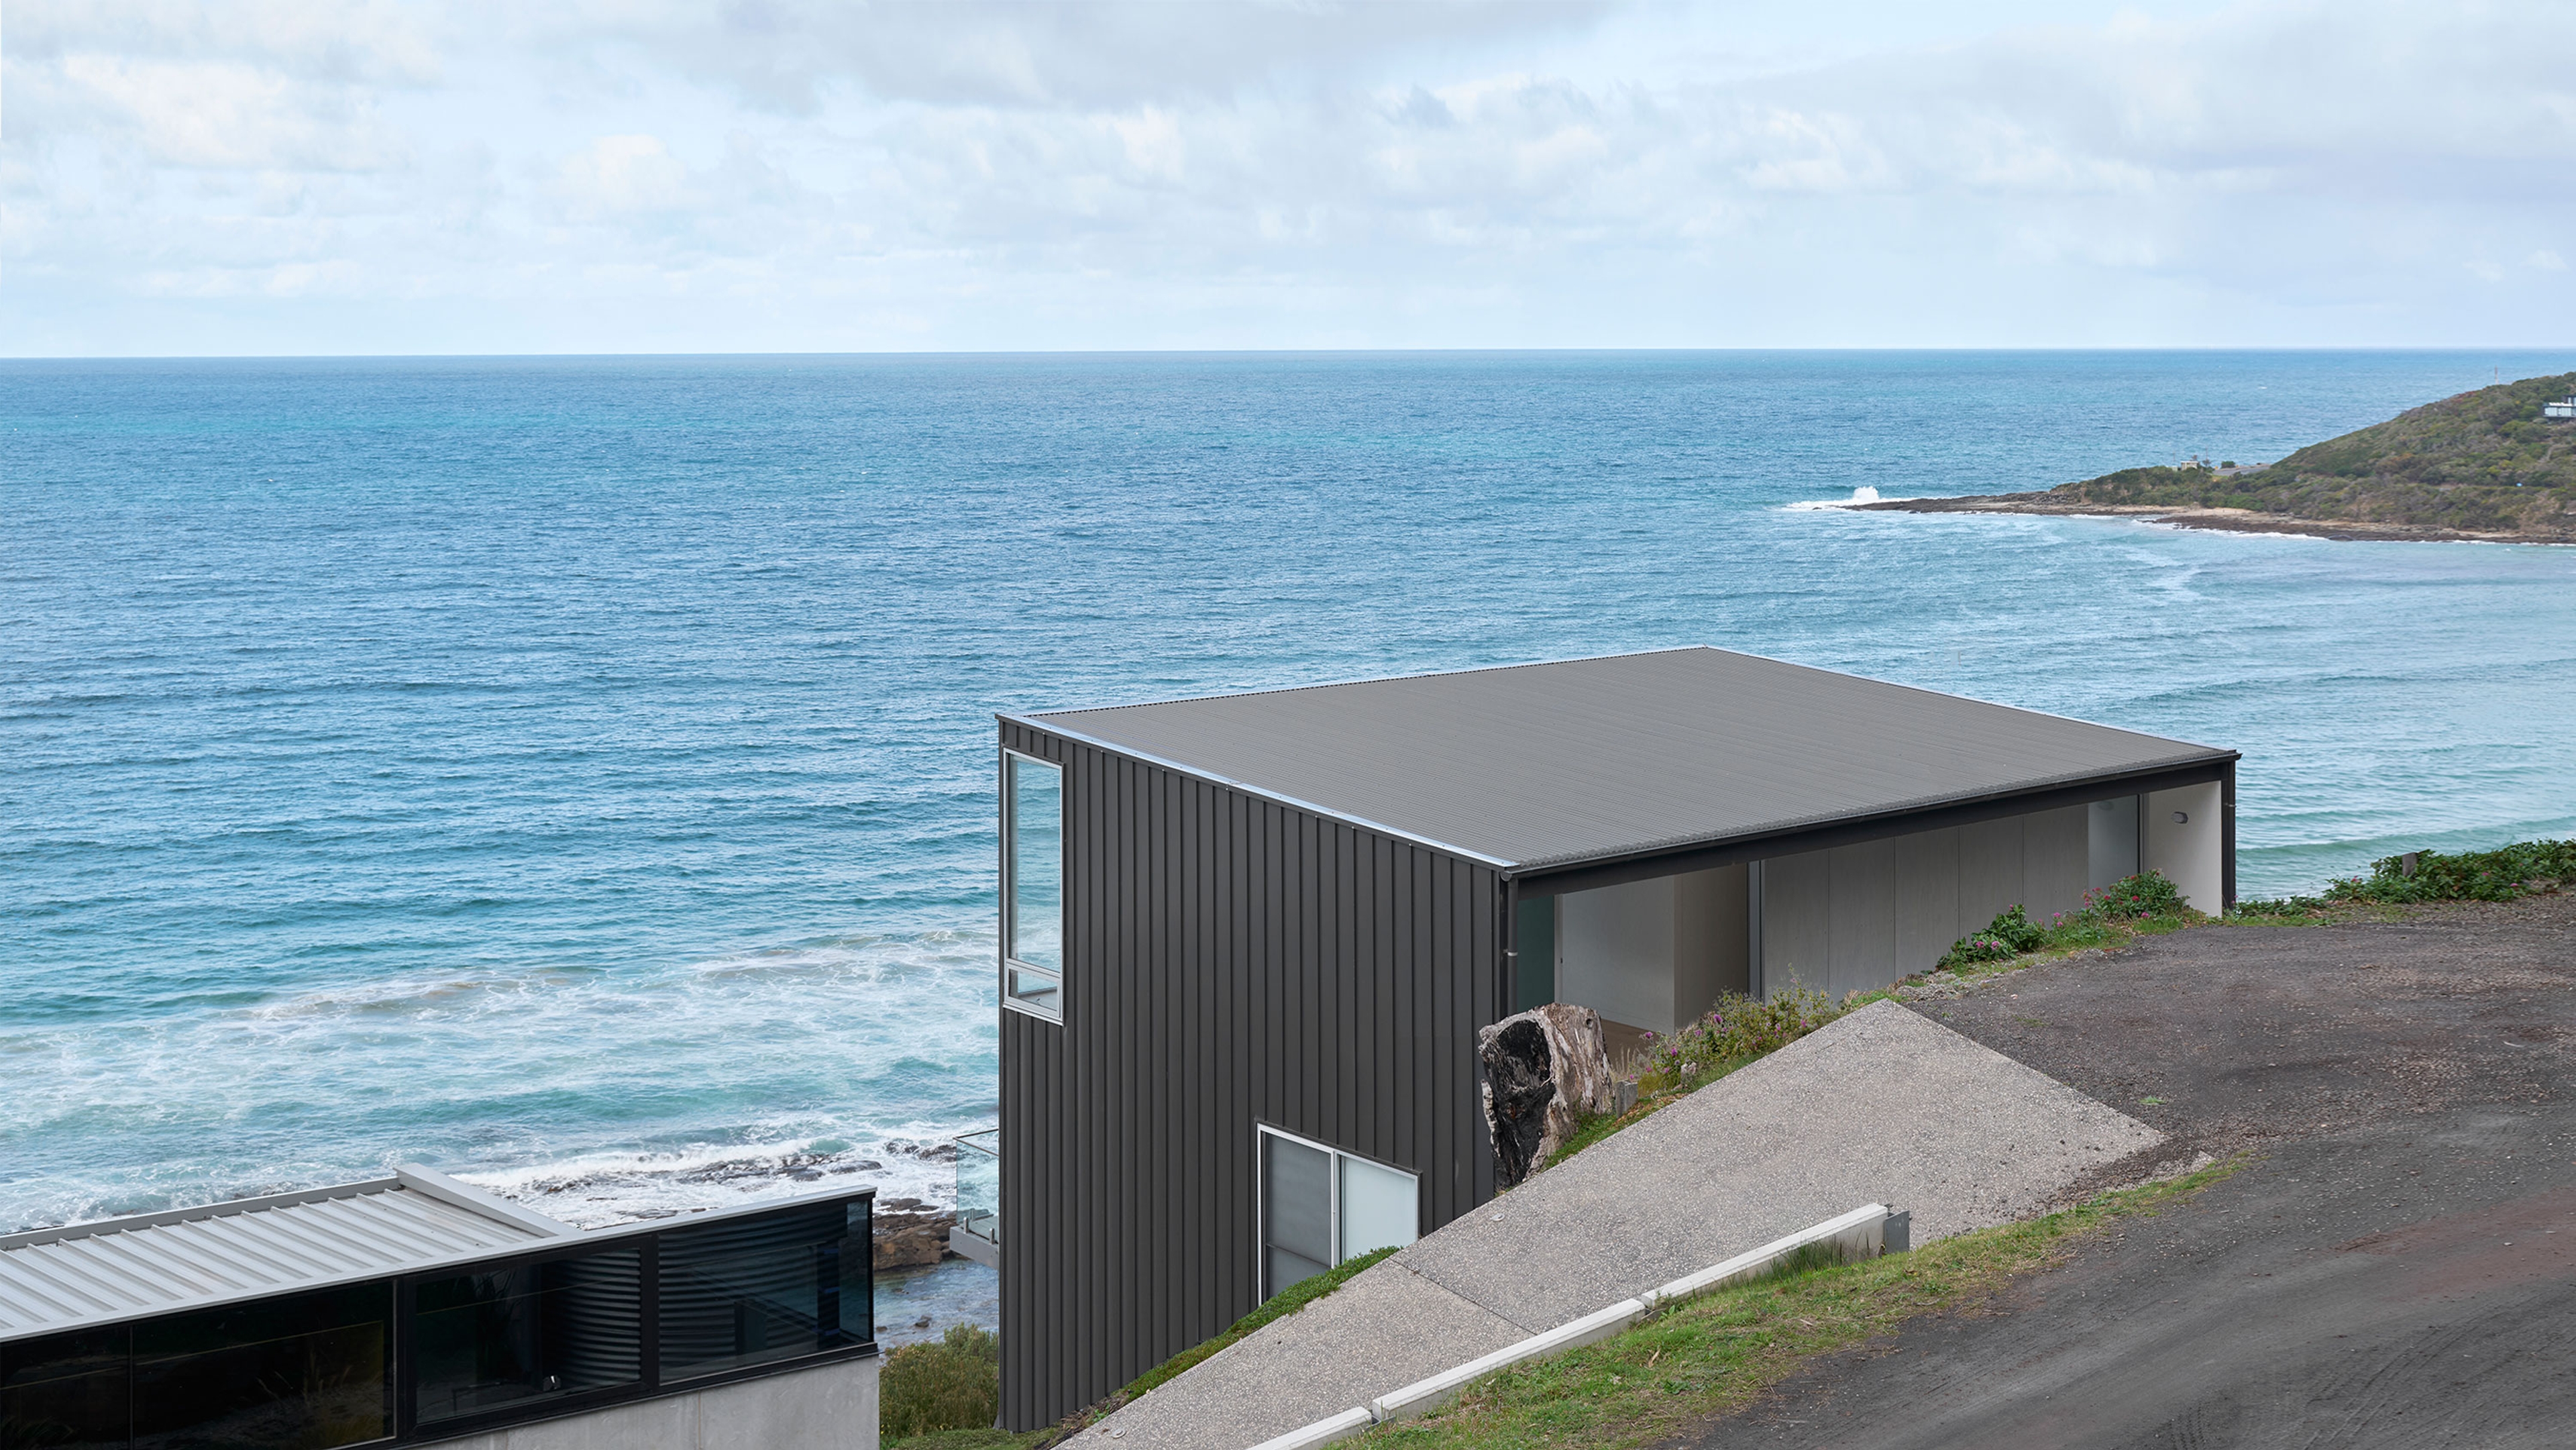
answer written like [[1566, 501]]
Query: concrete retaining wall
[[829, 1407]]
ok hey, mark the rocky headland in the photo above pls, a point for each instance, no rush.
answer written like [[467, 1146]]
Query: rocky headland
[[2487, 465]]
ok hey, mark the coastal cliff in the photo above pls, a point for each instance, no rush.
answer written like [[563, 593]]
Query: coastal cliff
[[2485, 465]]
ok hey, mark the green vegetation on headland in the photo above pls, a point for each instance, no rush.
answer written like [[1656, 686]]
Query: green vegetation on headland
[[2484, 464]]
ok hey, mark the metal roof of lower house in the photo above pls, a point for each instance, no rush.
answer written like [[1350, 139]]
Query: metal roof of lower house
[[1552, 765], [58, 1279]]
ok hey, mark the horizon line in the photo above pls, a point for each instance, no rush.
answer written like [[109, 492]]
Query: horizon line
[[2514, 349]]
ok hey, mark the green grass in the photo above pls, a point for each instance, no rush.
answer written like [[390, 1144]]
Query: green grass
[[1716, 1354], [976, 1440]]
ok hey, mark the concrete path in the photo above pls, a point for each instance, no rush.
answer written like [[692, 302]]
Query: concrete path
[[1882, 1106]]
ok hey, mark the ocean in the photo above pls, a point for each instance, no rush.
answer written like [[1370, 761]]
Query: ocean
[[577, 773]]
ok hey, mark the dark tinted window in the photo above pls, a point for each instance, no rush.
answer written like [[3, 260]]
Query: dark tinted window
[[71, 1390], [306, 1372], [483, 1342], [754, 1291]]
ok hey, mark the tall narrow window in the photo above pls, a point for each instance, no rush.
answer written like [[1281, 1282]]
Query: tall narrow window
[[1032, 885], [1321, 1207]]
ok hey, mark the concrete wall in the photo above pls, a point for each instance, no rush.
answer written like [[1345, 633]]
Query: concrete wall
[[1614, 952], [2189, 852], [829, 1407], [1857, 917], [1653, 954]]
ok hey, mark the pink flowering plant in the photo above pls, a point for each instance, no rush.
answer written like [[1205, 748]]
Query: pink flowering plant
[[1737, 1031], [2146, 894]]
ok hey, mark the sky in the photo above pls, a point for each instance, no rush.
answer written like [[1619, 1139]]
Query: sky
[[241, 177]]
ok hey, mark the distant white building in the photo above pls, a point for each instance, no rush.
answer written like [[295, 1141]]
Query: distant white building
[[2563, 408]]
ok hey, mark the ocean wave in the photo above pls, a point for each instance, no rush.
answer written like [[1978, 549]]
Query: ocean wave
[[599, 1095], [1861, 495], [592, 1190]]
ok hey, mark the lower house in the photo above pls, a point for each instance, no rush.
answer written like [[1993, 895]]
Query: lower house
[[417, 1310], [1248, 940]]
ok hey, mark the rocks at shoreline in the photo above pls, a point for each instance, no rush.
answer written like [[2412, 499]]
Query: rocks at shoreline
[[2229, 520], [910, 1233], [2486, 466]]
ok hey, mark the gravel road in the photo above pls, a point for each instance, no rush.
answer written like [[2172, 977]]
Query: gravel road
[[2397, 1266]]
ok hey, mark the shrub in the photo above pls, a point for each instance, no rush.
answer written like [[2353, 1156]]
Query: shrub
[[1976, 947], [2013, 934], [2498, 875], [952, 1383], [2007, 936], [1737, 1031], [2146, 894]]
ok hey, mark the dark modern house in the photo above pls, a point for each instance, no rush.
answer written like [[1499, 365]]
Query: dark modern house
[[417, 1310], [1248, 940]]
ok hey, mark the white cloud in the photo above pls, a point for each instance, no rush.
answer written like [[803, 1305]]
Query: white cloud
[[830, 175], [623, 176]]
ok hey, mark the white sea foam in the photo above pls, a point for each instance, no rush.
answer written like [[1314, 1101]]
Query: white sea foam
[[598, 1096], [595, 1189], [1861, 495]]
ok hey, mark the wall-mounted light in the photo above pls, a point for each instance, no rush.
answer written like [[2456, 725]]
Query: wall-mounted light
[[2182, 818]]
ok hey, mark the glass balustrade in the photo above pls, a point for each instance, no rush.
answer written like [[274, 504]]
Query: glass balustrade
[[979, 1185]]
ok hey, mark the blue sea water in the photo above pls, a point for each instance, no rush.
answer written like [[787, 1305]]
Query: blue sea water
[[579, 772]]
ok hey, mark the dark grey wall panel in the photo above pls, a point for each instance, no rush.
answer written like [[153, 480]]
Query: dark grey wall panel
[[1860, 924], [1927, 897], [1230, 960], [1797, 895]]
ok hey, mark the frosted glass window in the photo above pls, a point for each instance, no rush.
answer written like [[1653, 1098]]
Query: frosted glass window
[[1033, 884], [1378, 1208]]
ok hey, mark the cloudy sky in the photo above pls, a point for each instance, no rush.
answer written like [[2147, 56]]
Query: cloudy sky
[[372, 176]]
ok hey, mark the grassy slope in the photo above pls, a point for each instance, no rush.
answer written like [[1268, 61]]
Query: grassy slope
[[1715, 1354], [2453, 464]]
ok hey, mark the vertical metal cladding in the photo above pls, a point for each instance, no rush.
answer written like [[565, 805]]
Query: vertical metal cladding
[[1230, 961]]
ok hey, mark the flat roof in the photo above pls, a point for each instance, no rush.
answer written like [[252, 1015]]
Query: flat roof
[[82, 1275], [114, 1271], [1534, 767]]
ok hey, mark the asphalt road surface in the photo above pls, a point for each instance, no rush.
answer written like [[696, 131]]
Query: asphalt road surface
[[2396, 1266]]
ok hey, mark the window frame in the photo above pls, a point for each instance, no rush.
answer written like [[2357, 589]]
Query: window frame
[[1261, 1199], [1009, 915]]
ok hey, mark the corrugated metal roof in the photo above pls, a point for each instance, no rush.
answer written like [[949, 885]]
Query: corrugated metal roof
[[53, 1280], [1547, 765]]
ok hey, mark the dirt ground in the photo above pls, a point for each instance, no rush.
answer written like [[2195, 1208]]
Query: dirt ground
[[2395, 1266]]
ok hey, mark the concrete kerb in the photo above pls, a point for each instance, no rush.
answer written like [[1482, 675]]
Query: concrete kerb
[[1861, 1233]]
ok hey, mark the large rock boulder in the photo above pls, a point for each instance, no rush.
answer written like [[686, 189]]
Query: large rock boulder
[[1544, 1069]]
